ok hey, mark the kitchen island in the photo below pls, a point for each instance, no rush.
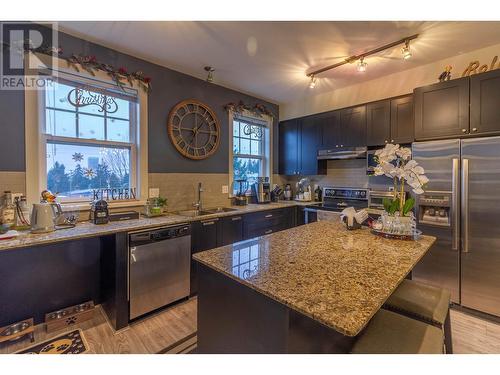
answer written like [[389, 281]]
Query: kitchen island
[[309, 289]]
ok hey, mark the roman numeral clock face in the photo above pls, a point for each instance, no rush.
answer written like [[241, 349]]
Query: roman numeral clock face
[[194, 129]]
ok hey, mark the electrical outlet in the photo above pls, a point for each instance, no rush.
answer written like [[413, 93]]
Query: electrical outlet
[[225, 189], [154, 192]]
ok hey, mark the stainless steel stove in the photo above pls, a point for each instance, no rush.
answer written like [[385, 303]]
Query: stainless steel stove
[[336, 199]]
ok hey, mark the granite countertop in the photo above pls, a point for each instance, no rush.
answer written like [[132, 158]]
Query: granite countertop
[[87, 229], [338, 277]]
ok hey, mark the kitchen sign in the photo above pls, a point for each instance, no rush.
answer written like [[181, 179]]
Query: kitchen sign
[[475, 67], [81, 98], [114, 194]]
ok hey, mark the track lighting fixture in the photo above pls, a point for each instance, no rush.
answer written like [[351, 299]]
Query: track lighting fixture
[[210, 75], [405, 51], [312, 84], [362, 65]]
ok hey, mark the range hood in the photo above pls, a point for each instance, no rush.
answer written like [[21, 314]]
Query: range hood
[[342, 153]]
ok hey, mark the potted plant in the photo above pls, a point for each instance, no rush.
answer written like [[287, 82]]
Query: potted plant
[[156, 206], [395, 162]]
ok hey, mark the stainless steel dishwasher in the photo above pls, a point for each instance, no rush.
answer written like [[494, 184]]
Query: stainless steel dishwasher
[[159, 268]]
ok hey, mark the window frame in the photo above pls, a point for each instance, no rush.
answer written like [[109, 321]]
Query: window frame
[[266, 157], [37, 139]]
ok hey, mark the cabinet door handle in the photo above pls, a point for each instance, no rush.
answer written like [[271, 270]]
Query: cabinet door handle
[[464, 130], [386, 141], [236, 218], [206, 223], [392, 140], [268, 216], [474, 129], [268, 231]]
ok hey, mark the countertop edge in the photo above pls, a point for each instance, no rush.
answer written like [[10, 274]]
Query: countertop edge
[[301, 311]]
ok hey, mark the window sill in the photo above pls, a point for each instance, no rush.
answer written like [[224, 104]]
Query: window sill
[[85, 206]]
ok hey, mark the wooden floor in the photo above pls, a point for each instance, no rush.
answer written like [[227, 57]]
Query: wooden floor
[[159, 332], [151, 335]]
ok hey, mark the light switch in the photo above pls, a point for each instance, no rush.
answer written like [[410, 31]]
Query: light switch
[[225, 189], [154, 192]]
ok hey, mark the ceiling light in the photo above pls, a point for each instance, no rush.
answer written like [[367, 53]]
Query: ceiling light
[[312, 84], [362, 65], [405, 51], [210, 75]]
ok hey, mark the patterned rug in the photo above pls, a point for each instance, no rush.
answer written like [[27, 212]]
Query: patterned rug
[[186, 345], [69, 343]]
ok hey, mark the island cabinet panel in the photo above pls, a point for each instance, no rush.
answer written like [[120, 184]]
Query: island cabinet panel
[[204, 236], [378, 123], [402, 124], [484, 103], [353, 126], [231, 230], [442, 109], [289, 147]]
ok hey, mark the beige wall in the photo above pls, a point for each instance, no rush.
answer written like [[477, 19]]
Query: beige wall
[[384, 87]]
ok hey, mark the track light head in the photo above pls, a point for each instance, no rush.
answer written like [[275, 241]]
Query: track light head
[[362, 65], [405, 51], [210, 75], [312, 84]]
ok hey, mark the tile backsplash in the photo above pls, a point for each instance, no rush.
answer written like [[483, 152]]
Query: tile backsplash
[[13, 181]]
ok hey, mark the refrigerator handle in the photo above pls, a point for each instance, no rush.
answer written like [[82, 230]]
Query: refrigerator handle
[[465, 205], [455, 225]]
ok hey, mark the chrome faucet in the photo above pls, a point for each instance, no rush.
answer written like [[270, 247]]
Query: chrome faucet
[[198, 204]]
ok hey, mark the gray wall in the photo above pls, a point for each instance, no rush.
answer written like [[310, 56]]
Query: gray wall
[[169, 88]]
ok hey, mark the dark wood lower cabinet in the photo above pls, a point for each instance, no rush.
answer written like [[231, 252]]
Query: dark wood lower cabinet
[[231, 230], [233, 318], [204, 236]]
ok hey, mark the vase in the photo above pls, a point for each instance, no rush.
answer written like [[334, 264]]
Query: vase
[[396, 224]]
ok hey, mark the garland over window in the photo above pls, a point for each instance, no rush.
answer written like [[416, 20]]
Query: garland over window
[[90, 64], [258, 109]]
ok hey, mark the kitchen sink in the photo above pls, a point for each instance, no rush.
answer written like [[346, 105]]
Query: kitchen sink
[[220, 209], [210, 211], [194, 213]]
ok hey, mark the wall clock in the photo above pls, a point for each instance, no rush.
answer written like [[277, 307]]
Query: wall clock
[[194, 129]]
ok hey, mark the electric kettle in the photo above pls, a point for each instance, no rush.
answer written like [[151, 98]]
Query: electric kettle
[[44, 217]]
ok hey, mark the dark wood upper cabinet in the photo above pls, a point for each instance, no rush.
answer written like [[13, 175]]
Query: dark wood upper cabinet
[[484, 103], [331, 129], [402, 124], [353, 126], [310, 140], [289, 147], [442, 109], [378, 123]]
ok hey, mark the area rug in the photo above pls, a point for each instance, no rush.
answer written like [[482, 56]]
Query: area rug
[[186, 345], [68, 343]]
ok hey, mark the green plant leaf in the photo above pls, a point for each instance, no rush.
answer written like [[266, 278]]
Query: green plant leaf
[[390, 205], [387, 204], [394, 206], [410, 202]]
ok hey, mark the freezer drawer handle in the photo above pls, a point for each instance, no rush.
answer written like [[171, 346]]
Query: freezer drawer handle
[[465, 205], [236, 218], [268, 216]]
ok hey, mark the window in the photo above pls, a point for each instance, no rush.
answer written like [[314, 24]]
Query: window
[[250, 149], [85, 134], [90, 139]]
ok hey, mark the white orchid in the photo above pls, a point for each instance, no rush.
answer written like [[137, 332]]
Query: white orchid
[[395, 162]]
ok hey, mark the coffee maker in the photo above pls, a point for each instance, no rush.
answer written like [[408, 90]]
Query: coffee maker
[[261, 190]]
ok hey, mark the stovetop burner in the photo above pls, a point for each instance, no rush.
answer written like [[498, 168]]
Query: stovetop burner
[[336, 199]]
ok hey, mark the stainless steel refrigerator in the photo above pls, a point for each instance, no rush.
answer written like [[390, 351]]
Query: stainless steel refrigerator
[[461, 207]]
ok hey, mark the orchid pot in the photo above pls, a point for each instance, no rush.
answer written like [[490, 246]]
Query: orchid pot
[[395, 162]]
